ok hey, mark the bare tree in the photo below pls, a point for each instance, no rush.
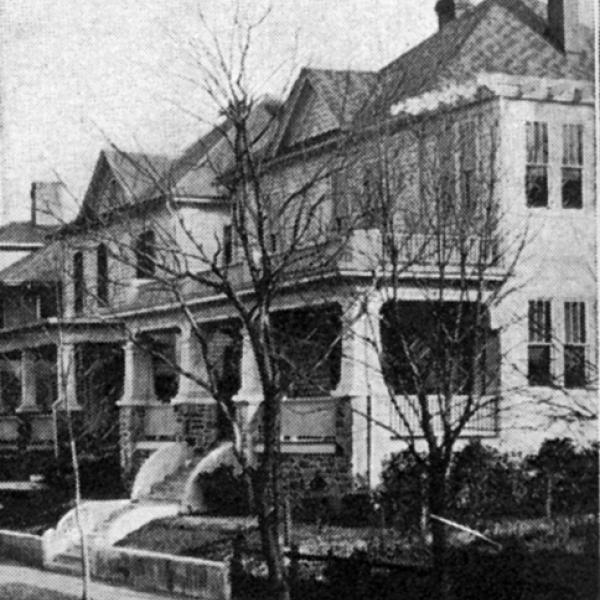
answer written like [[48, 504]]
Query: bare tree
[[441, 265]]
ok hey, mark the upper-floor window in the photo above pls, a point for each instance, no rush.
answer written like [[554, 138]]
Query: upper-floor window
[[102, 274], [540, 343], [145, 255], [575, 340], [572, 166], [78, 282], [536, 178], [468, 163], [227, 245]]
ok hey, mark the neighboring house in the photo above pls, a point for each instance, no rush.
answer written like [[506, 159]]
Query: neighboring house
[[506, 66]]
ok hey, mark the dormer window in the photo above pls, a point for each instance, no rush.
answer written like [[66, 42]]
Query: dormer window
[[145, 253]]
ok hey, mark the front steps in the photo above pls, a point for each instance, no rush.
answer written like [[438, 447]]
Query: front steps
[[172, 487]]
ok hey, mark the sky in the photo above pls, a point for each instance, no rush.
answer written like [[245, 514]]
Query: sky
[[77, 75]]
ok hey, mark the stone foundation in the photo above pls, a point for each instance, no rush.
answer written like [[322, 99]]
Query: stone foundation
[[327, 474], [131, 430], [198, 425]]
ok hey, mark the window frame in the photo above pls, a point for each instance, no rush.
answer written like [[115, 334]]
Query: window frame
[[78, 282], [540, 341], [537, 160], [576, 338], [145, 254], [102, 280], [572, 163]]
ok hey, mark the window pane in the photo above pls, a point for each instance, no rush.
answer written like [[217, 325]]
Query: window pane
[[537, 143], [574, 366], [102, 266], [145, 255], [78, 281], [573, 145], [540, 322], [575, 323], [539, 365], [571, 187], [536, 186]]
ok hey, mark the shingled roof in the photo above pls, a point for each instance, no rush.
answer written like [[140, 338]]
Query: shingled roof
[[20, 233], [41, 266], [496, 36]]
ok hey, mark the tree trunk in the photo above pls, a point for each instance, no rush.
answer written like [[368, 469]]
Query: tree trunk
[[268, 525], [437, 506]]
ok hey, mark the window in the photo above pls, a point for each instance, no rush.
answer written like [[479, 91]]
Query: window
[[572, 166], [468, 160], [575, 339], [537, 165], [78, 282], [540, 343], [144, 252], [227, 245], [102, 274]]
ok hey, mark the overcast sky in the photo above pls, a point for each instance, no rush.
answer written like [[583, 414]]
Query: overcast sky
[[79, 72]]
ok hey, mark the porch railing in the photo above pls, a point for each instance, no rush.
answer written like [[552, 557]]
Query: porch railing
[[160, 422], [307, 420], [9, 430], [42, 430], [484, 422]]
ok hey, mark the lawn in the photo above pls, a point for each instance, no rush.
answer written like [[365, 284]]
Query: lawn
[[541, 559], [18, 591]]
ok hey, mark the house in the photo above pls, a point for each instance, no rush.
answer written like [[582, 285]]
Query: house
[[506, 82]]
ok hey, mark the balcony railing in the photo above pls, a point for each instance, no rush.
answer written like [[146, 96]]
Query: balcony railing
[[160, 422], [484, 422], [419, 254]]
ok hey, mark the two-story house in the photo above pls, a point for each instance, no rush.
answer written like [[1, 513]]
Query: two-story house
[[498, 103]]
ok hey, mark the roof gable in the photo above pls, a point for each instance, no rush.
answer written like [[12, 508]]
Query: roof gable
[[123, 178], [310, 117]]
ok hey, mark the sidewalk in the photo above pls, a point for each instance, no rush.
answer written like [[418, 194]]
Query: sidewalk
[[15, 573]]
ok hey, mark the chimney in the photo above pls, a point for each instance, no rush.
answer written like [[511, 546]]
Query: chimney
[[46, 203], [462, 7], [446, 12], [563, 24]]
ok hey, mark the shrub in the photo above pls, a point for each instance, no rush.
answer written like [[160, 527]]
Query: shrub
[[225, 493]]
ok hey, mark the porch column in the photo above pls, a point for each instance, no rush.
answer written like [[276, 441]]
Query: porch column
[[191, 361], [250, 395], [363, 386], [139, 377], [138, 392], [197, 410], [28, 379], [66, 377]]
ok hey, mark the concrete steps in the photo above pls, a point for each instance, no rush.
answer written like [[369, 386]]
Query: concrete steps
[[172, 488], [68, 562]]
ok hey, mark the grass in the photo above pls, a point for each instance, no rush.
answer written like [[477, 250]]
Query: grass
[[19, 591], [542, 559]]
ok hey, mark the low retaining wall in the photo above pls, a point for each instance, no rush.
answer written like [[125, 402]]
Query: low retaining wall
[[157, 572], [22, 547]]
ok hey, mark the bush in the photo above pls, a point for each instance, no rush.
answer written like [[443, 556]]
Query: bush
[[225, 493], [484, 483]]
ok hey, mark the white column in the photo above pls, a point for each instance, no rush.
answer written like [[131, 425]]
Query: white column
[[191, 361], [251, 386], [250, 395], [361, 373], [28, 379], [66, 377], [139, 377], [363, 384]]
